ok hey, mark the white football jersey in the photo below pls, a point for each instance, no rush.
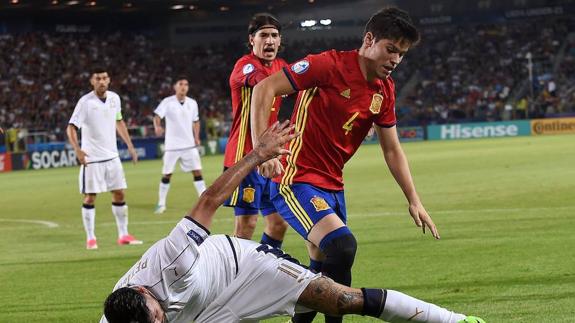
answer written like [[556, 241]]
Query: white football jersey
[[97, 120], [179, 120], [185, 271]]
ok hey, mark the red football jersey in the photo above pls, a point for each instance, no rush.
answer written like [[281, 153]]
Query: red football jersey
[[334, 111], [247, 72]]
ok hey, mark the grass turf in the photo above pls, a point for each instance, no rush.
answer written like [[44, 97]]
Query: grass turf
[[505, 209]]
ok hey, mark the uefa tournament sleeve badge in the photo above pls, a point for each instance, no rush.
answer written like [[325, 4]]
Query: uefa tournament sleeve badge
[[376, 102]]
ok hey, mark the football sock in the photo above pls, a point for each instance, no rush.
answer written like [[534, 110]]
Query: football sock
[[315, 265], [271, 241], [163, 191], [89, 218], [339, 247], [393, 306], [120, 211], [199, 184]]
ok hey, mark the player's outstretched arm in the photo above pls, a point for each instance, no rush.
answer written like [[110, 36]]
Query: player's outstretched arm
[[399, 167], [271, 144], [263, 96], [328, 297]]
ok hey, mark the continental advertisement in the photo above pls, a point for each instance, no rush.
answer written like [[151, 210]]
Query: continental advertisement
[[552, 126], [479, 130]]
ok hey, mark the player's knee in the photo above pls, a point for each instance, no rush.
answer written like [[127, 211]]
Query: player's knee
[[245, 226], [339, 256], [118, 196], [89, 199], [166, 178], [341, 250]]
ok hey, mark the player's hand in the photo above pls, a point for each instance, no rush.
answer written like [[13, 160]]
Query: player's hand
[[1, 130], [81, 155], [422, 218], [159, 131], [271, 168], [272, 142], [134, 155], [198, 142]]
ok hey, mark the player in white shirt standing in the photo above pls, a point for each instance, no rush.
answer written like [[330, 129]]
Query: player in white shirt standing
[[182, 139], [98, 114], [190, 276]]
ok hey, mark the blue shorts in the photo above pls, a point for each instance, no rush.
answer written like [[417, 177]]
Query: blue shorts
[[252, 196], [303, 205]]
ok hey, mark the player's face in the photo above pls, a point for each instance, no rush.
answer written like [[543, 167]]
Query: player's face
[[100, 82], [181, 87], [157, 314], [384, 54], [266, 43]]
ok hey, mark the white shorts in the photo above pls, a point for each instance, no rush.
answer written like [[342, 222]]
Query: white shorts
[[99, 177], [189, 160], [266, 285]]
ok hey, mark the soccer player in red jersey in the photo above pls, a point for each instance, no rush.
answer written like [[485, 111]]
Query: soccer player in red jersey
[[341, 96], [252, 196]]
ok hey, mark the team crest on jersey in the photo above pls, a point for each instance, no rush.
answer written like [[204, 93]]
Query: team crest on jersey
[[376, 102], [248, 68], [300, 67], [249, 195], [319, 204]]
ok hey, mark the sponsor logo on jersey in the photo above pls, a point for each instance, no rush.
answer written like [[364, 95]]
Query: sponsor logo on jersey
[[346, 93], [249, 195], [300, 67], [319, 204], [248, 68], [196, 237], [376, 102]]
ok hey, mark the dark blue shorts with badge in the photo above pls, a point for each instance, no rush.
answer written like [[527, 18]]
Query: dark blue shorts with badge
[[303, 205], [252, 196]]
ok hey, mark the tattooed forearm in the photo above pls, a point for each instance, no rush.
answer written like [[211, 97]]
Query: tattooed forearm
[[326, 296]]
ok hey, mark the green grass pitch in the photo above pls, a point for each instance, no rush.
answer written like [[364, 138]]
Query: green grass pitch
[[505, 209]]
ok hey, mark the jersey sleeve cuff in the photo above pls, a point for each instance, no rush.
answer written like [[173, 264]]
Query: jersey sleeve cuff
[[194, 231], [383, 125], [290, 79], [75, 125]]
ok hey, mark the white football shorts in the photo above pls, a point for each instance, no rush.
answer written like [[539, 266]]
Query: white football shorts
[[267, 285], [189, 160], [104, 176]]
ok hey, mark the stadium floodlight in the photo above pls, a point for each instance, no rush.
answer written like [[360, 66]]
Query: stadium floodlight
[[325, 22], [308, 23], [192, 7], [14, 1], [177, 7], [72, 3]]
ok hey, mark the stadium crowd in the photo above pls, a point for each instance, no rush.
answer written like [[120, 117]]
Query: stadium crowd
[[457, 73]]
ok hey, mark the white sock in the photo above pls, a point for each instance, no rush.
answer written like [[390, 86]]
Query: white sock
[[401, 308], [89, 219], [163, 193], [200, 186], [121, 214]]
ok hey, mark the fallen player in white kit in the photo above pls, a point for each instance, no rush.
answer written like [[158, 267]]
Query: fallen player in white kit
[[190, 276]]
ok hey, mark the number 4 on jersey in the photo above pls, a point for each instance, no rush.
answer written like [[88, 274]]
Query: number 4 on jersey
[[348, 125]]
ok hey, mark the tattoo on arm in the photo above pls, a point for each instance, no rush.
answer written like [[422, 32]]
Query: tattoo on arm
[[326, 296]]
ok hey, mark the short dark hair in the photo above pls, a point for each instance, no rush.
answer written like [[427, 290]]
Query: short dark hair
[[262, 19], [392, 23], [180, 78], [126, 305], [98, 70]]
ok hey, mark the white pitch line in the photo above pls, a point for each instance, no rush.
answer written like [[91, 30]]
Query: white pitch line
[[49, 224], [500, 210]]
